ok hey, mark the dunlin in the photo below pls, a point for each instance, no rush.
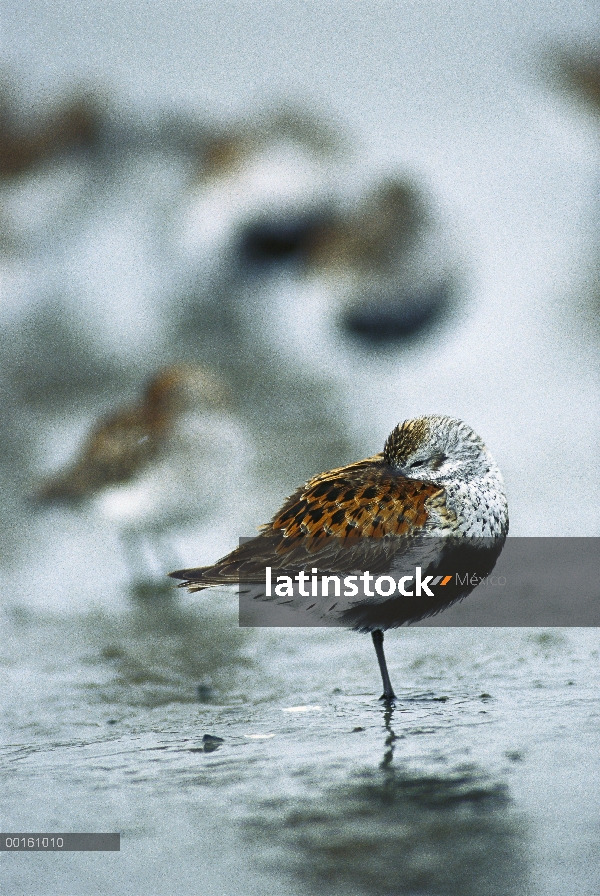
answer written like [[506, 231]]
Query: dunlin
[[431, 503], [123, 444], [391, 265], [74, 125], [154, 466], [226, 149], [267, 185]]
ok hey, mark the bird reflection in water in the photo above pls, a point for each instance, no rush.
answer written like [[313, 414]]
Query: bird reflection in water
[[393, 829], [388, 755]]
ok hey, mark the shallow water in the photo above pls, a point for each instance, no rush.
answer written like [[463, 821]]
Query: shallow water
[[483, 779]]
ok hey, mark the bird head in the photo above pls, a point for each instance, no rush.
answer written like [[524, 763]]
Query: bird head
[[438, 449], [184, 387]]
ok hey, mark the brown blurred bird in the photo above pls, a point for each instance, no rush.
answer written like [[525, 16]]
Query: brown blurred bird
[[371, 233], [73, 125], [154, 468], [124, 443], [388, 261], [227, 149], [431, 504]]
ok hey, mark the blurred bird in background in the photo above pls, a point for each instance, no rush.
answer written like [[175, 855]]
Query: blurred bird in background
[[282, 197], [264, 187], [378, 272], [71, 126], [158, 465], [388, 263]]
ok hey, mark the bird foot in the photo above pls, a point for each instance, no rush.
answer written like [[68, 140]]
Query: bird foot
[[389, 699]]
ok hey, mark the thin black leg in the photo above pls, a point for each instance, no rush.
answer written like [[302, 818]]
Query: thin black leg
[[388, 691]]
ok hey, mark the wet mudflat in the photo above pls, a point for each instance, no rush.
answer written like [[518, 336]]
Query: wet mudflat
[[291, 777]]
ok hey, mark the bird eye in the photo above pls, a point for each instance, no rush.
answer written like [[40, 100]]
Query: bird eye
[[434, 462]]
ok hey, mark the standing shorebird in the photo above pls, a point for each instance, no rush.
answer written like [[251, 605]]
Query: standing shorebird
[[149, 467], [388, 262], [432, 504]]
